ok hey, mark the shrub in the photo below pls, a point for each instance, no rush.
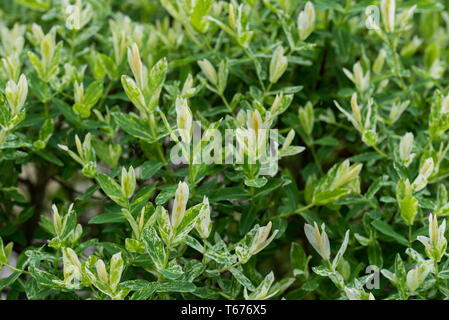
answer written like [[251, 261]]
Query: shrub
[[210, 149]]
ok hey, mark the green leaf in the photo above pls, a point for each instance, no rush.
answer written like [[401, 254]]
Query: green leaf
[[257, 182], [187, 224], [146, 292], [155, 83], [329, 196], [108, 217], [133, 125], [154, 246], [93, 93], [134, 94], [198, 18], [112, 189], [242, 279], [176, 286], [150, 168], [387, 230], [8, 281], [173, 272], [342, 250]]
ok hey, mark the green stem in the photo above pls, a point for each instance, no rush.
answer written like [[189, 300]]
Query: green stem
[[315, 158], [225, 101], [285, 215], [253, 59], [410, 236], [380, 152], [17, 270], [204, 251], [105, 95], [208, 46], [393, 47], [340, 286], [229, 267]]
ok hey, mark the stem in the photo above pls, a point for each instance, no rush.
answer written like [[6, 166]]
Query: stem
[[437, 279], [204, 251], [315, 158], [206, 42], [285, 215], [17, 270], [410, 236], [393, 46], [225, 101], [72, 45], [158, 146], [46, 100], [341, 286], [253, 59], [380, 152], [229, 267], [105, 95]]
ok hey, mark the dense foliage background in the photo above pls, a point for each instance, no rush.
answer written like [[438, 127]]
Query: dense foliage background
[[94, 93]]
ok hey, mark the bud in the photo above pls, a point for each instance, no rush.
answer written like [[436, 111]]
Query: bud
[[396, 111], [48, 46], [78, 90], [318, 240], [37, 32], [278, 64], [57, 221], [179, 205], [405, 16], [306, 117], [261, 240], [417, 275], [138, 69], [289, 139], [358, 77], [16, 94], [345, 174], [379, 62], [356, 109], [128, 182], [184, 120], [204, 224], [405, 148], [425, 172], [306, 21], [388, 8], [436, 243], [101, 271], [209, 70], [445, 105], [11, 64]]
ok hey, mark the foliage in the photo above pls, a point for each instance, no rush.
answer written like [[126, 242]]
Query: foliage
[[96, 95]]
